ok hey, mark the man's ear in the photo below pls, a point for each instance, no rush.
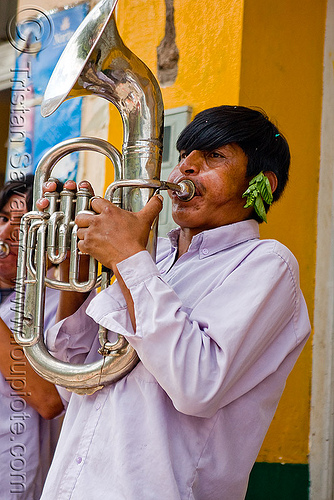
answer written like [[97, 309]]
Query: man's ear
[[272, 179]]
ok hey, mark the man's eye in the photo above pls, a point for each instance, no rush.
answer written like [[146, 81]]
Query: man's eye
[[3, 219], [215, 154], [182, 155]]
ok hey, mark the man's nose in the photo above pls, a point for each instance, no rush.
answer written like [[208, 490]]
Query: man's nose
[[192, 163]]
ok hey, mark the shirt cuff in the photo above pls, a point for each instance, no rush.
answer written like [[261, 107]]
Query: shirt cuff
[[109, 307], [137, 268], [108, 300]]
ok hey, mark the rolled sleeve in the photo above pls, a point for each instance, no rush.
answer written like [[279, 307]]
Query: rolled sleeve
[[137, 268]]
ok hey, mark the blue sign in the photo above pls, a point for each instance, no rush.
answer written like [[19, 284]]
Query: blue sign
[[30, 135]]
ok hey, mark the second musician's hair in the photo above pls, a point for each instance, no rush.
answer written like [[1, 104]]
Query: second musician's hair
[[24, 187]]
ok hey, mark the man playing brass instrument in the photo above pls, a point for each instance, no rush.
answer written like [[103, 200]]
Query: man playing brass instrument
[[218, 323]]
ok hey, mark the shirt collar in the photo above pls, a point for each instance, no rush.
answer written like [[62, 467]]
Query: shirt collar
[[220, 238], [4, 293]]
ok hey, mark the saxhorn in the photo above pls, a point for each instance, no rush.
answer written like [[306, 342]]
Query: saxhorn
[[95, 61]]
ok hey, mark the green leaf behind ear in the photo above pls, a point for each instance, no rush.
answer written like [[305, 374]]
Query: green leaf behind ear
[[265, 190], [259, 208]]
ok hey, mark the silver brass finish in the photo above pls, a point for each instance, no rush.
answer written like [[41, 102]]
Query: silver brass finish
[[97, 62]]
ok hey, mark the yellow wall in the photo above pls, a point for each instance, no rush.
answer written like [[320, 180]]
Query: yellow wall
[[210, 56], [281, 71], [266, 54], [209, 65]]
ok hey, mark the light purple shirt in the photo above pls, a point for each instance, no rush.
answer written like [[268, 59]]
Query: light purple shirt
[[26, 439], [218, 332]]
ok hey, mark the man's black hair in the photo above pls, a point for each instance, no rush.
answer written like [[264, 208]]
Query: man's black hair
[[24, 187], [263, 144]]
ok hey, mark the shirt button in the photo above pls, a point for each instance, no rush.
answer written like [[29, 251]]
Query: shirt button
[[205, 251], [98, 406], [78, 460]]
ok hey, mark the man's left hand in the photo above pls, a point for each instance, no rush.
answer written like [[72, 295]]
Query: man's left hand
[[112, 234]]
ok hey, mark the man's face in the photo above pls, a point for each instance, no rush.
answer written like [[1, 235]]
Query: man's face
[[10, 217], [220, 180]]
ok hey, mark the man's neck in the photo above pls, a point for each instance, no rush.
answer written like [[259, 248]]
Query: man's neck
[[185, 237]]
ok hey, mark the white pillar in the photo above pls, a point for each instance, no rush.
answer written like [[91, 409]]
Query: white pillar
[[322, 399]]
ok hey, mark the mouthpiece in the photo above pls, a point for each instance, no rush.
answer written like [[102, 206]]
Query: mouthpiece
[[187, 191], [4, 249]]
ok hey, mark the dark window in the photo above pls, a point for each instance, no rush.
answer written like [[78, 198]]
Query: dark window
[[167, 144], [7, 12]]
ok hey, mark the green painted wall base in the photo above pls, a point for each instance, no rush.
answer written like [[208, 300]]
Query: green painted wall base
[[273, 481]]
